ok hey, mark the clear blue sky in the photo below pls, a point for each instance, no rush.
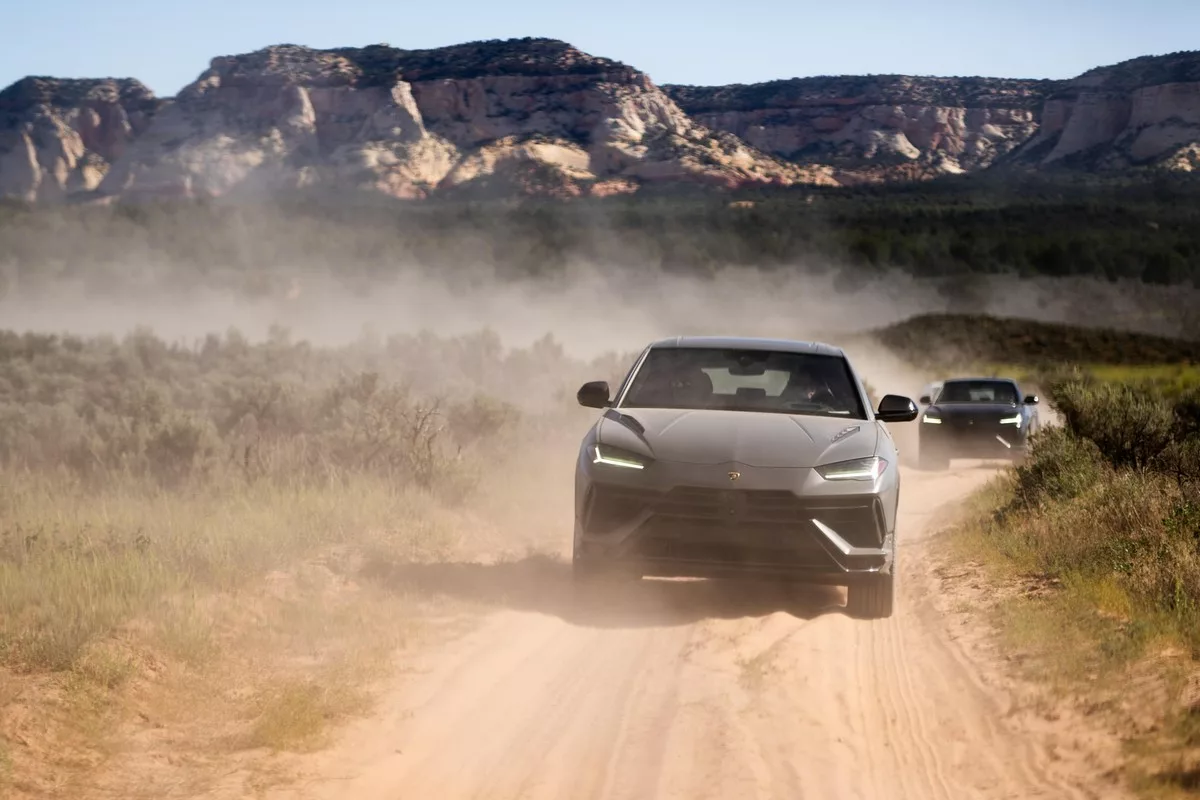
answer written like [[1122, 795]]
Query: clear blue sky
[[167, 43]]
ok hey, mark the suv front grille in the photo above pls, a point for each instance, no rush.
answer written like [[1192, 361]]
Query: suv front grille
[[858, 520]]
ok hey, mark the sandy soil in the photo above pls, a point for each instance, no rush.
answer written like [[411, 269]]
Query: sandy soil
[[681, 689]]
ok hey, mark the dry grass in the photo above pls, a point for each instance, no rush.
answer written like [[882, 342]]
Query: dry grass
[[297, 714], [182, 533], [1094, 543], [151, 626], [82, 563]]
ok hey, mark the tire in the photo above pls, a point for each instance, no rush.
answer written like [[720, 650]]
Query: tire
[[933, 460], [873, 598]]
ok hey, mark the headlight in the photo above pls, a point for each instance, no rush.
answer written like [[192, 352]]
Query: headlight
[[614, 457], [1013, 420], [860, 469], [931, 420]]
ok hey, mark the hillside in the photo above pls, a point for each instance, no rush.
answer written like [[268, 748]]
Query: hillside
[[905, 125], [1142, 112], [62, 136], [537, 116], [516, 117], [945, 339]]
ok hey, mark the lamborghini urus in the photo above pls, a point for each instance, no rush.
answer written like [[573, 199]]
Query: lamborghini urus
[[985, 418], [734, 457]]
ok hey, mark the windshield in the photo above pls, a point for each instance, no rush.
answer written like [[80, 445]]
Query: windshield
[[745, 380], [978, 392]]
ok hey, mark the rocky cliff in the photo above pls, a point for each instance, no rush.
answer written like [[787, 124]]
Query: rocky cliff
[[538, 116], [1142, 112], [523, 116], [62, 136], [1139, 113], [892, 123]]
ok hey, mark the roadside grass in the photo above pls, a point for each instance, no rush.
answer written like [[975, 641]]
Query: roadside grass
[[1093, 542], [76, 565], [230, 612], [183, 532]]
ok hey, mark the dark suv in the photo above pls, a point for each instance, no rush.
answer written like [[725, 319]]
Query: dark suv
[[982, 418]]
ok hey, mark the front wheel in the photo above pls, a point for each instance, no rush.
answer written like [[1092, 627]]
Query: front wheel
[[872, 598]]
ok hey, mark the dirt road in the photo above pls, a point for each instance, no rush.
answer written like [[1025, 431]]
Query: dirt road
[[689, 690]]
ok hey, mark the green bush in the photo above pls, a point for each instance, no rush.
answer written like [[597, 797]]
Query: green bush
[[1131, 427], [102, 408], [1114, 495], [1061, 466]]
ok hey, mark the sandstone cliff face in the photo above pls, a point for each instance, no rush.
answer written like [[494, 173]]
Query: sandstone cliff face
[[944, 125], [62, 136], [523, 116], [537, 116], [1143, 112]]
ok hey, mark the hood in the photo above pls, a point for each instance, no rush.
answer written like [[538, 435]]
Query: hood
[[750, 438], [985, 410]]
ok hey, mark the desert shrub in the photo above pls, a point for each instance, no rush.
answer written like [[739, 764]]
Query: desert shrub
[[1181, 460], [1187, 413], [1130, 426], [1136, 529], [1113, 496], [480, 419], [1061, 466], [414, 409], [132, 469]]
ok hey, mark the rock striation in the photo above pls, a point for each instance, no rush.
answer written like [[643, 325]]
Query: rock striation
[[524, 116], [1142, 112], [538, 116], [63, 136], [944, 125]]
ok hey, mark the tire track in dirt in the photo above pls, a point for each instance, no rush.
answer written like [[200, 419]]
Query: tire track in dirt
[[678, 689]]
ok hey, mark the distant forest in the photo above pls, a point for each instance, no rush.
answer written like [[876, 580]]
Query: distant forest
[[1146, 230]]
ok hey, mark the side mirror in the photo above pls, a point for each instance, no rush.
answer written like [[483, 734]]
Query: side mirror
[[1031, 399], [593, 394], [925, 400], [894, 408]]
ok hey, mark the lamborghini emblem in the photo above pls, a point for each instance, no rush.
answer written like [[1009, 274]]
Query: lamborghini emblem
[[733, 476]]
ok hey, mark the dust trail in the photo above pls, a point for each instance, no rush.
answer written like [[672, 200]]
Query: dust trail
[[692, 689], [588, 311]]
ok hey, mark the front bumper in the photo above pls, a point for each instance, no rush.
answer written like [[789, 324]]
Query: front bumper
[[709, 532], [962, 439]]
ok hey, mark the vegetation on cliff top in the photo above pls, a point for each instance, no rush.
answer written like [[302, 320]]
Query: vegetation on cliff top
[[965, 92]]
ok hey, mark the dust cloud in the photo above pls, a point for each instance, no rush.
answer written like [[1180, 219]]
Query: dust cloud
[[591, 310], [120, 281], [575, 700]]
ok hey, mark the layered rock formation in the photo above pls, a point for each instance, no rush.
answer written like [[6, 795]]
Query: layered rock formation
[[916, 126], [1141, 112], [525, 116], [537, 116], [62, 136]]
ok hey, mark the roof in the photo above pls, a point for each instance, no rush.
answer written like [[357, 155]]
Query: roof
[[993, 379], [750, 343]]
